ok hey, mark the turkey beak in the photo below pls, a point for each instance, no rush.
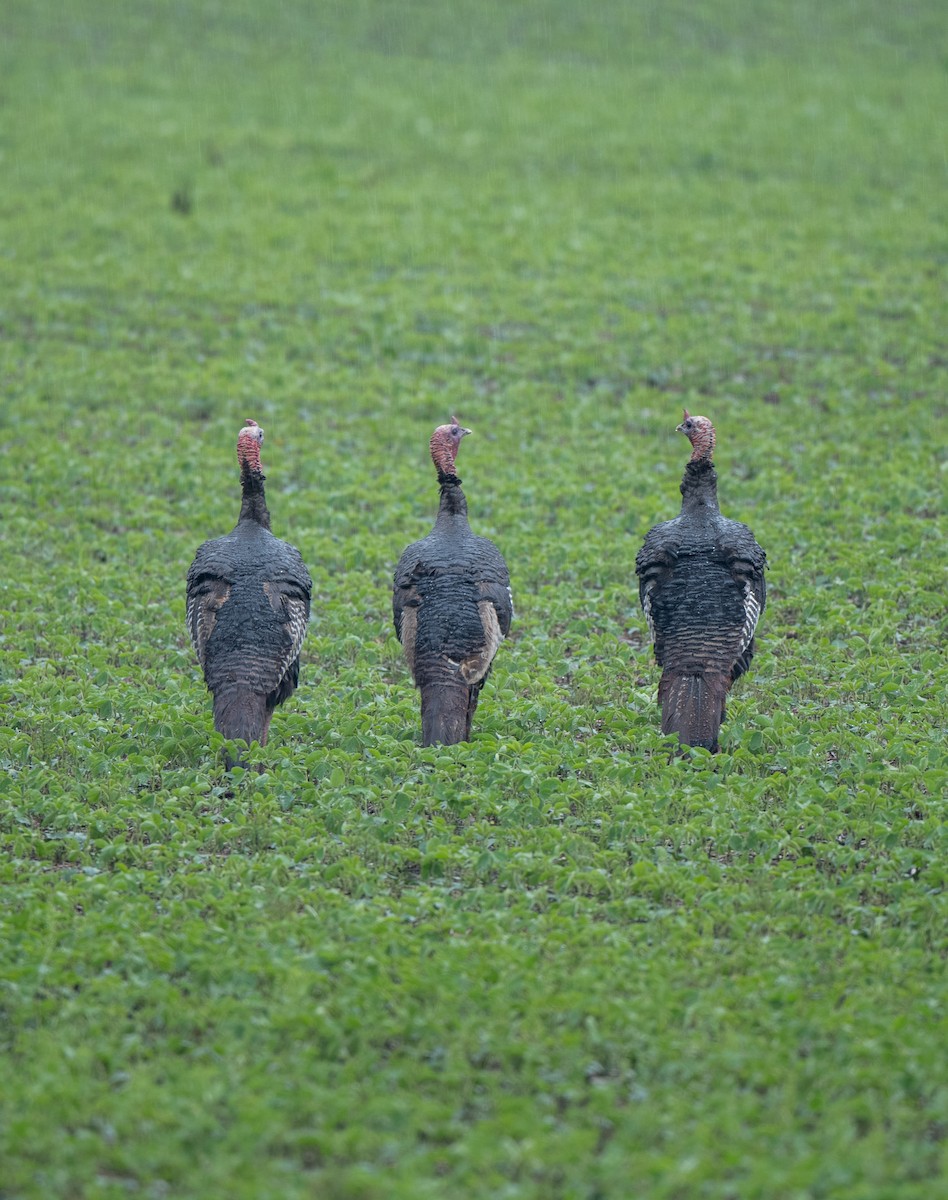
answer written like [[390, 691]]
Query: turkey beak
[[465, 432]]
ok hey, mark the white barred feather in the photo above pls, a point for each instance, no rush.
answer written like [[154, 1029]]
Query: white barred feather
[[647, 608], [751, 616]]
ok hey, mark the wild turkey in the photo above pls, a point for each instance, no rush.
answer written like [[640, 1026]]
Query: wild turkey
[[452, 605], [701, 584], [248, 607]]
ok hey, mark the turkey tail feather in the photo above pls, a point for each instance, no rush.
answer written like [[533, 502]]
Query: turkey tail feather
[[474, 692], [446, 711], [240, 713], [693, 706]]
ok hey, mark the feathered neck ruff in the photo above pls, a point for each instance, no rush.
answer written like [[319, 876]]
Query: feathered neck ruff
[[453, 501], [699, 486], [253, 504]]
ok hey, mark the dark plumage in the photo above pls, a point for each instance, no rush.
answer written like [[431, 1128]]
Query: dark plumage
[[248, 608], [452, 605], [702, 588]]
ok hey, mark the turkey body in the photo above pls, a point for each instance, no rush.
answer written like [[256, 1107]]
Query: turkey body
[[248, 602], [702, 588], [452, 608]]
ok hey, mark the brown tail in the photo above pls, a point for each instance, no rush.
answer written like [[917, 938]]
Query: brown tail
[[473, 692], [446, 712], [693, 706], [240, 713]]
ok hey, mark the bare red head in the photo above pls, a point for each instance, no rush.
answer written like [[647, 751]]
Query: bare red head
[[248, 446], [700, 432], [444, 446]]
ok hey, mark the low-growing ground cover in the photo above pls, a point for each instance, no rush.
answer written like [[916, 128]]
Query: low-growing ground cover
[[552, 962]]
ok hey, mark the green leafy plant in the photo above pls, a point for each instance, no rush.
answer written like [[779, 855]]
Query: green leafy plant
[[556, 961]]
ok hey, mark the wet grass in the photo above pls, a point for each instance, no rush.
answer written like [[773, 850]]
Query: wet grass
[[551, 962]]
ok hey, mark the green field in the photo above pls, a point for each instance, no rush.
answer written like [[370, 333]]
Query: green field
[[552, 963]]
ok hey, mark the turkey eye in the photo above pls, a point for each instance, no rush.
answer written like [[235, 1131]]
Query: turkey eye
[[454, 431]]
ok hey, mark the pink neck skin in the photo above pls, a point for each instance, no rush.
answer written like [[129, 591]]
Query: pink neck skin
[[444, 449], [248, 452], [702, 442]]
